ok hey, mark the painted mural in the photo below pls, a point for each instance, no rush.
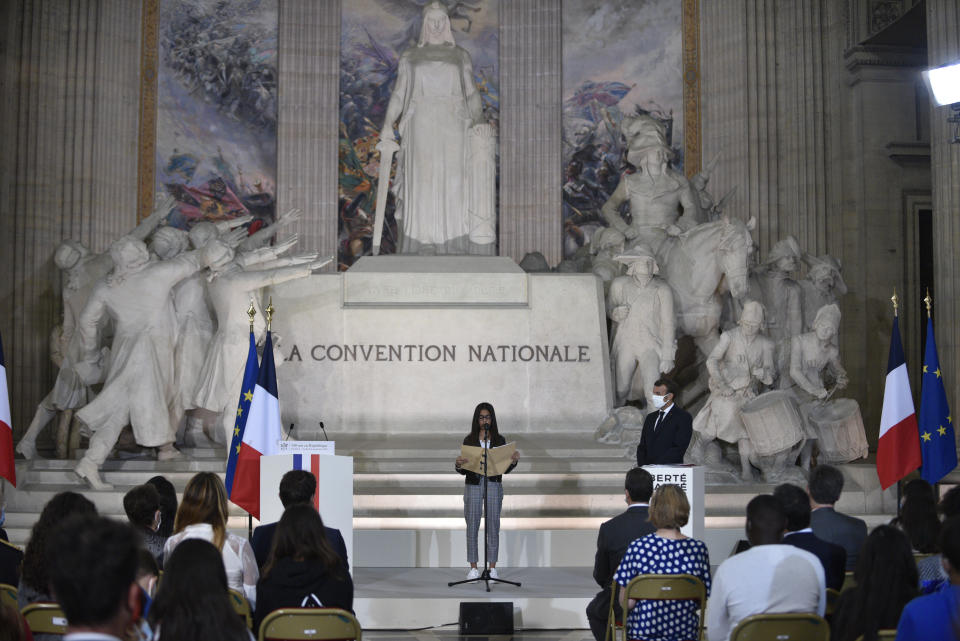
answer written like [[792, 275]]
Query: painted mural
[[216, 145], [620, 58], [374, 33]]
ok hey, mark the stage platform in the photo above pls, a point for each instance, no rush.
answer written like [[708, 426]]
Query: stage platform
[[409, 598], [408, 506]]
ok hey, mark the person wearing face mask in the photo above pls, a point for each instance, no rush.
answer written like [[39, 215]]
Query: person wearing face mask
[[142, 506], [666, 430], [483, 433]]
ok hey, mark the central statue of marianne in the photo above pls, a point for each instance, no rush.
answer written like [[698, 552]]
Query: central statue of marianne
[[444, 184]]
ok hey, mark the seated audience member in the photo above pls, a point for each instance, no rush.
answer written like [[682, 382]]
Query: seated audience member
[[666, 551], [296, 487], [168, 504], [936, 616], [612, 541], [142, 505], [192, 600], [824, 486], [203, 515], [10, 559], [886, 577], [769, 578], [148, 574], [949, 505], [796, 507], [12, 625], [93, 565], [303, 570], [920, 522], [34, 576]]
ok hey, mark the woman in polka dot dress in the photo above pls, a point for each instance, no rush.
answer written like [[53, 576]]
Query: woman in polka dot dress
[[666, 551]]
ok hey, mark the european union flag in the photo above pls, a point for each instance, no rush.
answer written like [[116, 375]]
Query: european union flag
[[250, 374], [937, 443]]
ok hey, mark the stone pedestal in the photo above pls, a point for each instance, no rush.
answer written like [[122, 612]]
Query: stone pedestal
[[403, 344]]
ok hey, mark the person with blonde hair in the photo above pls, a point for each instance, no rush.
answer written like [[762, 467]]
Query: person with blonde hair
[[666, 551], [203, 515]]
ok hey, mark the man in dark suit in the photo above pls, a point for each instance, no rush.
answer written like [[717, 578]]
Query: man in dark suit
[[296, 486], [824, 486], [796, 506], [614, 538], [666, 430]]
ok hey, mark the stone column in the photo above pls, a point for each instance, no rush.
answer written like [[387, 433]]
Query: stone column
[[943, 47], [530, 109], [69, 119], [309, 67]]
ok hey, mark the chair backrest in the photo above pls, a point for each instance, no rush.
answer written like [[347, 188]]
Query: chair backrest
[[832, 597], [782, 627], [883, 635], [660, 587], [242, 607], [848, 581], [45, 618], [8, 595], [310, 623]]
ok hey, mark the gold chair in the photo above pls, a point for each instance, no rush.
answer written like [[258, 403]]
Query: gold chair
[[613, 626], [310, 623], [8, 595], [848, 581], [664, 587], [45, 618], [782, 627], [242, 607], [883, 635], [832, 597]]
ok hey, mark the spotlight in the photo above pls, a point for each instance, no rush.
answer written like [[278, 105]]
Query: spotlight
[[944, 85]]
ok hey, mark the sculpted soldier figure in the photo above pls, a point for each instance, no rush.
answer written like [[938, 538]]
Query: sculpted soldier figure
[[781, 298], [139, 388], [655, 192], [822, 286], [81, 270], [739, 365], [644, 340]]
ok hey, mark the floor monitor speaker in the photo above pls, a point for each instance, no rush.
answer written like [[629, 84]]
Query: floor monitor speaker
[[486, 617]]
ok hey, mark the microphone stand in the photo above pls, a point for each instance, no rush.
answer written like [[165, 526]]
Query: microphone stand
[[485, 575]]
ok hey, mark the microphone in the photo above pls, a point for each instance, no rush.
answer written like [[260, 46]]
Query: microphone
[[325, 437], [289, 432]]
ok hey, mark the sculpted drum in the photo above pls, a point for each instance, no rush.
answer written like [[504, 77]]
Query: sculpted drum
[[773, 422], [839, 428]]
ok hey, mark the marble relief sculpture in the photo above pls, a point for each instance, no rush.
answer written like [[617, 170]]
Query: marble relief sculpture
[[230, 289], [655, 192], [740, 366], [139, 387], [822, 285], [781, 296], [644, 341], [444, 146], [81, 270], [834, 426]]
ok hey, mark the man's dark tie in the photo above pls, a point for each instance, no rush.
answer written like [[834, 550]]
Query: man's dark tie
[[656, 425]]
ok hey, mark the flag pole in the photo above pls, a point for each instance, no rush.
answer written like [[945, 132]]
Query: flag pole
[[895, 300], [251, 313]]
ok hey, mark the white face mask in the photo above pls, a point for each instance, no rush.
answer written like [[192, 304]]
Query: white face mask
[[659, 401]]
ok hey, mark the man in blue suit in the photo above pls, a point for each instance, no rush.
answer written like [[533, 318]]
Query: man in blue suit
[[666, 429], [296, 486], [614, 538], [796, 507]]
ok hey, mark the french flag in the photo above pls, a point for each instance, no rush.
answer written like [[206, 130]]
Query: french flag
[[260, 435], [7, 468], [898, 449]]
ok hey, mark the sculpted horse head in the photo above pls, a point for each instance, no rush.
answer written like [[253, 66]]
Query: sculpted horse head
[[708, 259]]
